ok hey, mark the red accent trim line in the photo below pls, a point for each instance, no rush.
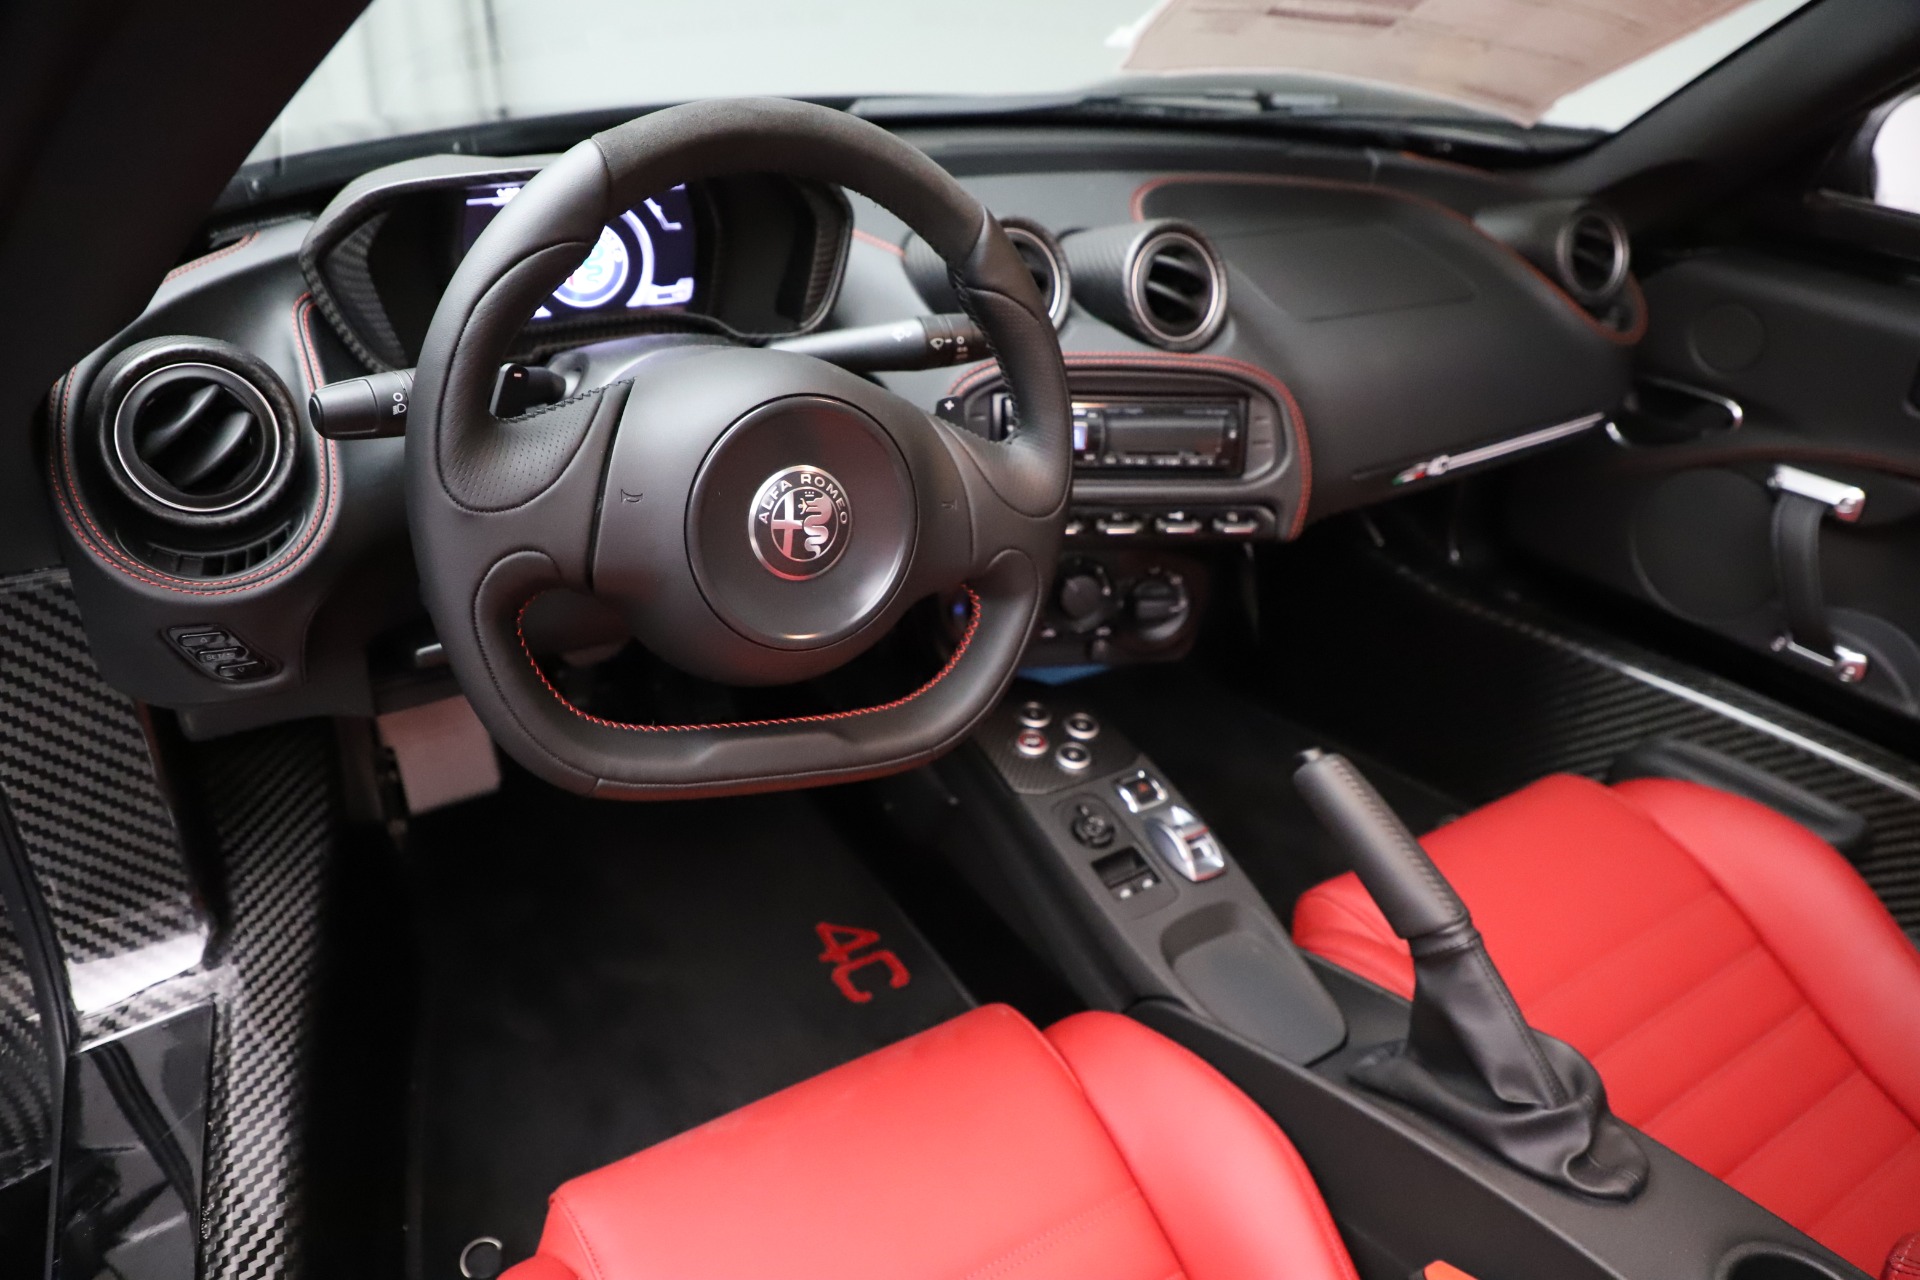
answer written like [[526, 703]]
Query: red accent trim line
[[979, 374], [205, 258], [1625, 338], [886, 246], [66, 488], [966, 639]]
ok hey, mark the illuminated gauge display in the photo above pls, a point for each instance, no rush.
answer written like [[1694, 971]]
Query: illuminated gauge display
[[602, 277], [644, 259]]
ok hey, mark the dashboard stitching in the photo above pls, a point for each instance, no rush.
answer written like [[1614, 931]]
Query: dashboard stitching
[[102, 546], [959, 652], [206, 258], [1297, 420], [1624, 338]]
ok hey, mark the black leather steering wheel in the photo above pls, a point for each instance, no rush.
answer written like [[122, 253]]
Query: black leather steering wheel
[[757, 517]]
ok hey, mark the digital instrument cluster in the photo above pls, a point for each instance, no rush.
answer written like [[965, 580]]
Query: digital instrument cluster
[[644, 259]]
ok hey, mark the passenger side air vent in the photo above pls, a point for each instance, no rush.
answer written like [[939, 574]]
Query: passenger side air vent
[[1581, 247], [1036, 246], [189, 459], [1593, 256], [1161, 281]]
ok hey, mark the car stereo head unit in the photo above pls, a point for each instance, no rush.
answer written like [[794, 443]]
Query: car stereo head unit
[[1123, 434]]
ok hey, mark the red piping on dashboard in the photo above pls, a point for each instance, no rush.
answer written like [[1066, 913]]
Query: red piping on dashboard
[[298, 551]]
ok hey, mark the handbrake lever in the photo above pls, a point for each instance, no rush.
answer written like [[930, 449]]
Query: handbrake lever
[[1469, 1060]]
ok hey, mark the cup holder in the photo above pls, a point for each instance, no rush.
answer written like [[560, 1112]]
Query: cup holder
[[1771, 1262]]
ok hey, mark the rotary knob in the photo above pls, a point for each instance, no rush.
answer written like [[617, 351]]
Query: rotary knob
[[1084, 595], [1158, 605]]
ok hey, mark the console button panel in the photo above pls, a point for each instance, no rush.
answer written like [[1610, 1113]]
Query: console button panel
[[220, 655]]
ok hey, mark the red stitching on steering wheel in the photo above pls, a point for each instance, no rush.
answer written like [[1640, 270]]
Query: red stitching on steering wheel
[[966, 639]]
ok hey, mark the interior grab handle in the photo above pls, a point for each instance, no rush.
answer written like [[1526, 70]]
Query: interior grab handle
[[1804, 503]]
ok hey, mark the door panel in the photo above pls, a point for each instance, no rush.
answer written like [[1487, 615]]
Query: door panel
[[1752, 361]]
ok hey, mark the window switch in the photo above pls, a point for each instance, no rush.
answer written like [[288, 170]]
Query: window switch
[[1125, 873]]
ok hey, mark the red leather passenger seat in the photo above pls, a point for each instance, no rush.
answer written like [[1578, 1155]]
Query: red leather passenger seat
[[1746, 998], [980, 1149]]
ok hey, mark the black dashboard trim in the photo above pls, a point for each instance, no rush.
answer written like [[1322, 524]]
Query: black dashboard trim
[[1631, 336]]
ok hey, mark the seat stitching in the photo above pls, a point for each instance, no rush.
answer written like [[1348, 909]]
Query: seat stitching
[[1788, 974], [586, 1246], [1791, 1125], [1631, 940], [1296, 1169], [1680, 998], [1847, 1192], [1055, 1234], [1762, 1038]]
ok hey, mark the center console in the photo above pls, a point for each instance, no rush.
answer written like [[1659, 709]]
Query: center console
[[1094, 855]]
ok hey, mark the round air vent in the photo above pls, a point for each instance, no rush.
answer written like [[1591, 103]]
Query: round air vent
[[1036, 246], [1041, 252], [1592, 255], [1160, 281], [194, 433], [1177, 289], [196, 438]]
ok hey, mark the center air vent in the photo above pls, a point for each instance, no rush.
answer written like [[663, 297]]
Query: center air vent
[[1593, 256], [1160, 280], [1041, 252], [195, 434]]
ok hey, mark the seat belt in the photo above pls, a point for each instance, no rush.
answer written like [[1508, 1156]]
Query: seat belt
[[1803, 503]]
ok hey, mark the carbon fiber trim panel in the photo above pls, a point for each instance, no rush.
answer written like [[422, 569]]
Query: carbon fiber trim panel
[[78, 776], [272, 805], [1478, 696], [26, 1103], [77, 772]]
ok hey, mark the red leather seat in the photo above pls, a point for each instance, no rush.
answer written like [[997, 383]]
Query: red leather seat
[[1746, 998], [979, 1149]]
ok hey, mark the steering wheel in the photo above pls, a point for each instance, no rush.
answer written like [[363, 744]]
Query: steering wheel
[[757, 517]]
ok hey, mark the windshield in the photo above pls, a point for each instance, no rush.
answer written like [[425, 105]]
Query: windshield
[[409, 66]]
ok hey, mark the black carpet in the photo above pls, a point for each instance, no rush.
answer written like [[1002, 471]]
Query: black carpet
[[601, 976]]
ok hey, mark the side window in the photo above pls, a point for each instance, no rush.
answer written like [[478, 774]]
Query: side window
[[1896, 157]]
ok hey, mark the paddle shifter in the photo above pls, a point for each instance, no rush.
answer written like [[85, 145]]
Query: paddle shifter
[[1469, 1059]]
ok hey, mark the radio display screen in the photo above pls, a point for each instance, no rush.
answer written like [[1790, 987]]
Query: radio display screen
[[643, 261]]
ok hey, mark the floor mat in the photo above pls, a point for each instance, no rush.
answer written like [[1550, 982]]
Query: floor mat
[[1234, 760], [600, 976]]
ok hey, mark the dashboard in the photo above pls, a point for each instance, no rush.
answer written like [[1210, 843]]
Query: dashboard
[[1257, 335]]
